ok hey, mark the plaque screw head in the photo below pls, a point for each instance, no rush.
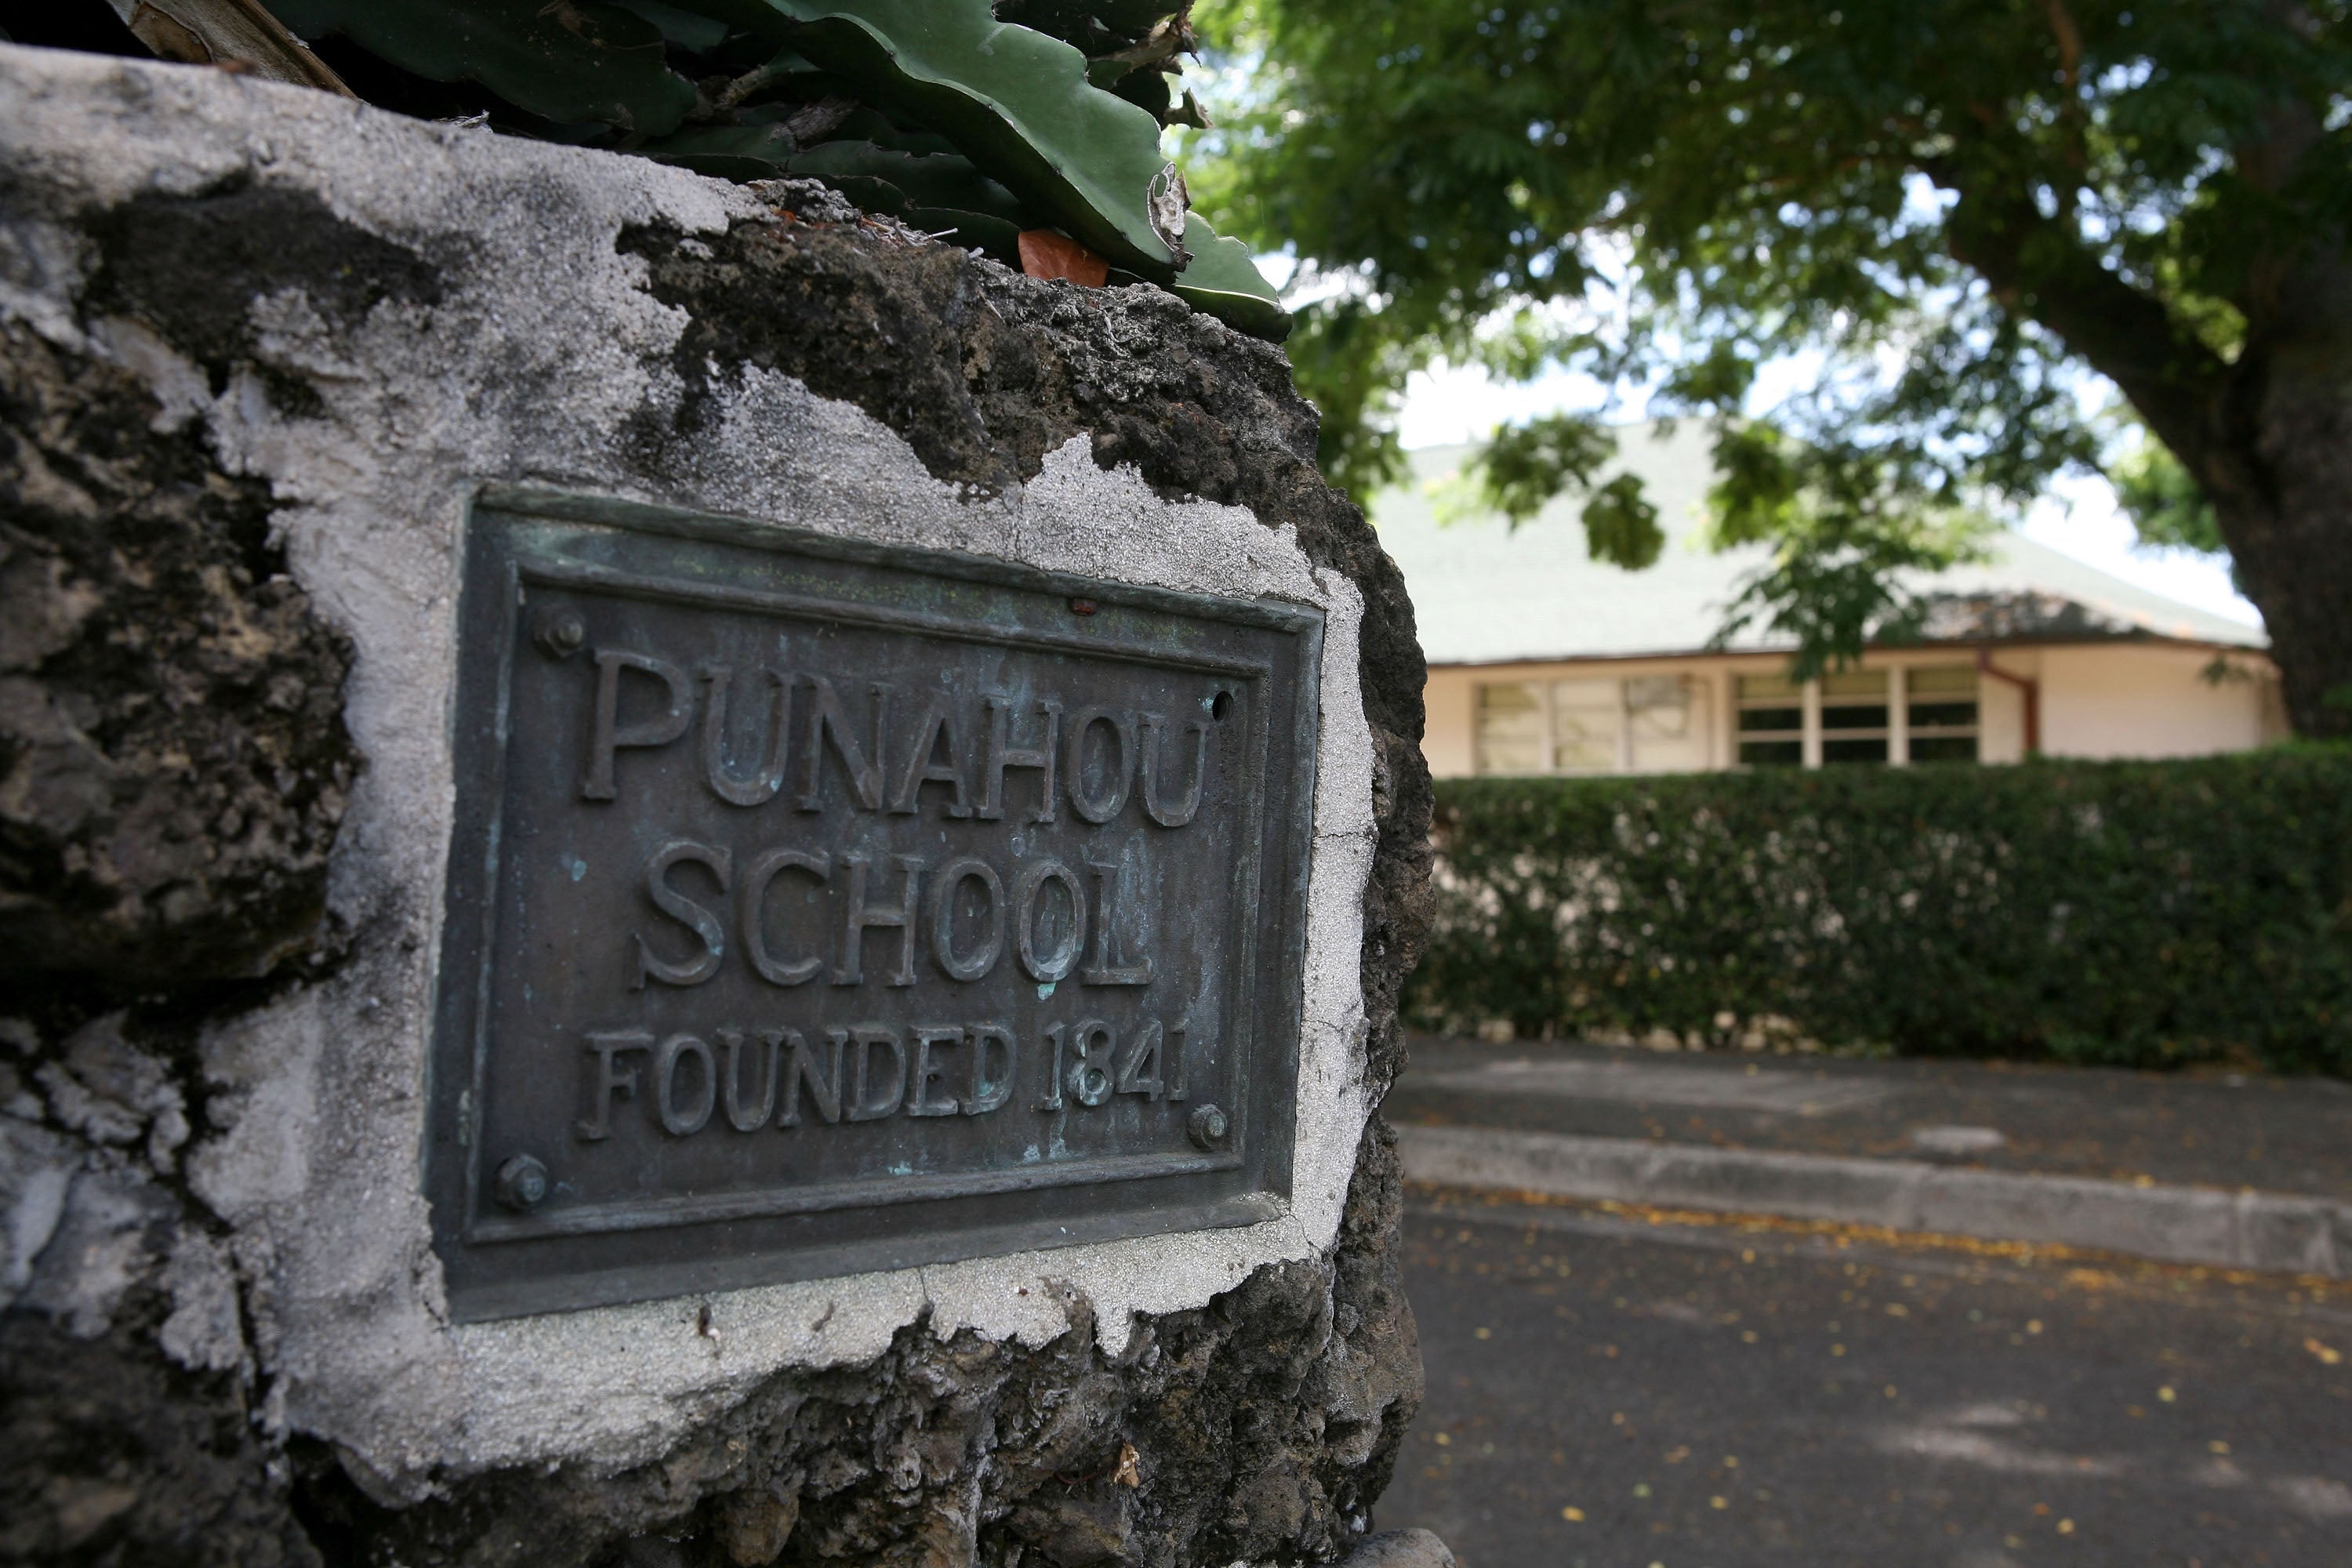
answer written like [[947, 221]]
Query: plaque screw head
[[1083, 607], [560, 633], [521, 1183], [1206, 1126]]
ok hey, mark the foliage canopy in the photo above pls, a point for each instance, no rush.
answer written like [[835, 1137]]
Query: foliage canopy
[[1955, 207]]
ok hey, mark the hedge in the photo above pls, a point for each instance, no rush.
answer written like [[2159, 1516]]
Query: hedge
[[2133, 913]]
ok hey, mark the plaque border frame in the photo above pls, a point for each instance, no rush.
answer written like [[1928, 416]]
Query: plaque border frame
[[462, 1004]]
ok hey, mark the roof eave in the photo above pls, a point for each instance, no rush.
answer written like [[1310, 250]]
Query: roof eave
[[2133, 638]]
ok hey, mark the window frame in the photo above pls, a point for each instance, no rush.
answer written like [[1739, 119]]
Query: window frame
[[1798, 697], [1695, 685], [1972, 731], [1816, 705], [1890, 688]]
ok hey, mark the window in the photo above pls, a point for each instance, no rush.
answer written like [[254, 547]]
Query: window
[[1666, 720], [1771, 719], [1660, 723], [1942, 709], [1512, 729], [1901, 715], [1646, 724], [1853, 716], [1586, 719]]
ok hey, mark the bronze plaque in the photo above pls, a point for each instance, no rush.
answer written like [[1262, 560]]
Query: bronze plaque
[[817, 907]]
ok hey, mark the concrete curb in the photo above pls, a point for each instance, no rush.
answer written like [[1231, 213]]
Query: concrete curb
[[1400, 1549], [2261, 1231]]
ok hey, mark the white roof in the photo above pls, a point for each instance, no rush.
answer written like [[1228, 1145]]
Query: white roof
[[1485, 594]]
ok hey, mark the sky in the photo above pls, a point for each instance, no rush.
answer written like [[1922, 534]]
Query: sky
[[1449, 406]]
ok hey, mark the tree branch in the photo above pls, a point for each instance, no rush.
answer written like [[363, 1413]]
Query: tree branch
[[2075, 154], [2042, 272]]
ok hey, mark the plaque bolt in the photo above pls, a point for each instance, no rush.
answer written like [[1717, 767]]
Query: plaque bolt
[[561, 633], [521, 1182], [1206, 1126], [1083, 607]]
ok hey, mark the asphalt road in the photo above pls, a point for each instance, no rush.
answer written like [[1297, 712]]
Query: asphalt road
[[1608, 1390]]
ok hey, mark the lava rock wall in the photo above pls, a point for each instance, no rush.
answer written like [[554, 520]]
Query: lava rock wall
[[243, 347]]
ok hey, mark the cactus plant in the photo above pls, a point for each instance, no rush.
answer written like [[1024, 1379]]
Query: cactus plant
[[567, 64], [936, 112]]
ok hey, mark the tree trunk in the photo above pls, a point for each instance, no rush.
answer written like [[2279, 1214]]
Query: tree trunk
[[2268, 434], [2280, 477], [2294, 561]]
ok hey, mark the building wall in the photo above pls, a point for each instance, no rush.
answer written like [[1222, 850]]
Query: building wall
[[2153, 702], [1450, 702], [2114, 700], [2002, 726]]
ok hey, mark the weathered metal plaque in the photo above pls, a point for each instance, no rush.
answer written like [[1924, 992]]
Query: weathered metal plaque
[[817, 907]]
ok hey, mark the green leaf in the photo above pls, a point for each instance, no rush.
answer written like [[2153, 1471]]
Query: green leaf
[[925, 179], [871, 125], [695, 34], [938, 193], [1718, 378], [1222, 282], [1525, 466], [1844, 571], [1755, 483], [566, 60], [1018, 104], [757, 152], [1620, 525], [2164, 503]]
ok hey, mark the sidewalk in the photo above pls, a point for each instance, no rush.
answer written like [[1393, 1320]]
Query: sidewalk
[[2240, 1172]]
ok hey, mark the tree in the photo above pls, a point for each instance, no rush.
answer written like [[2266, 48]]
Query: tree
[[1972, 209]]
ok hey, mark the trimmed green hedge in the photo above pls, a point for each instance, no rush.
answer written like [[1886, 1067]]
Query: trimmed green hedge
[[2136, 913]]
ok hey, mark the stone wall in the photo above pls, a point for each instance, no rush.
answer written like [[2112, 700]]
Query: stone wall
[[257, 347]]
